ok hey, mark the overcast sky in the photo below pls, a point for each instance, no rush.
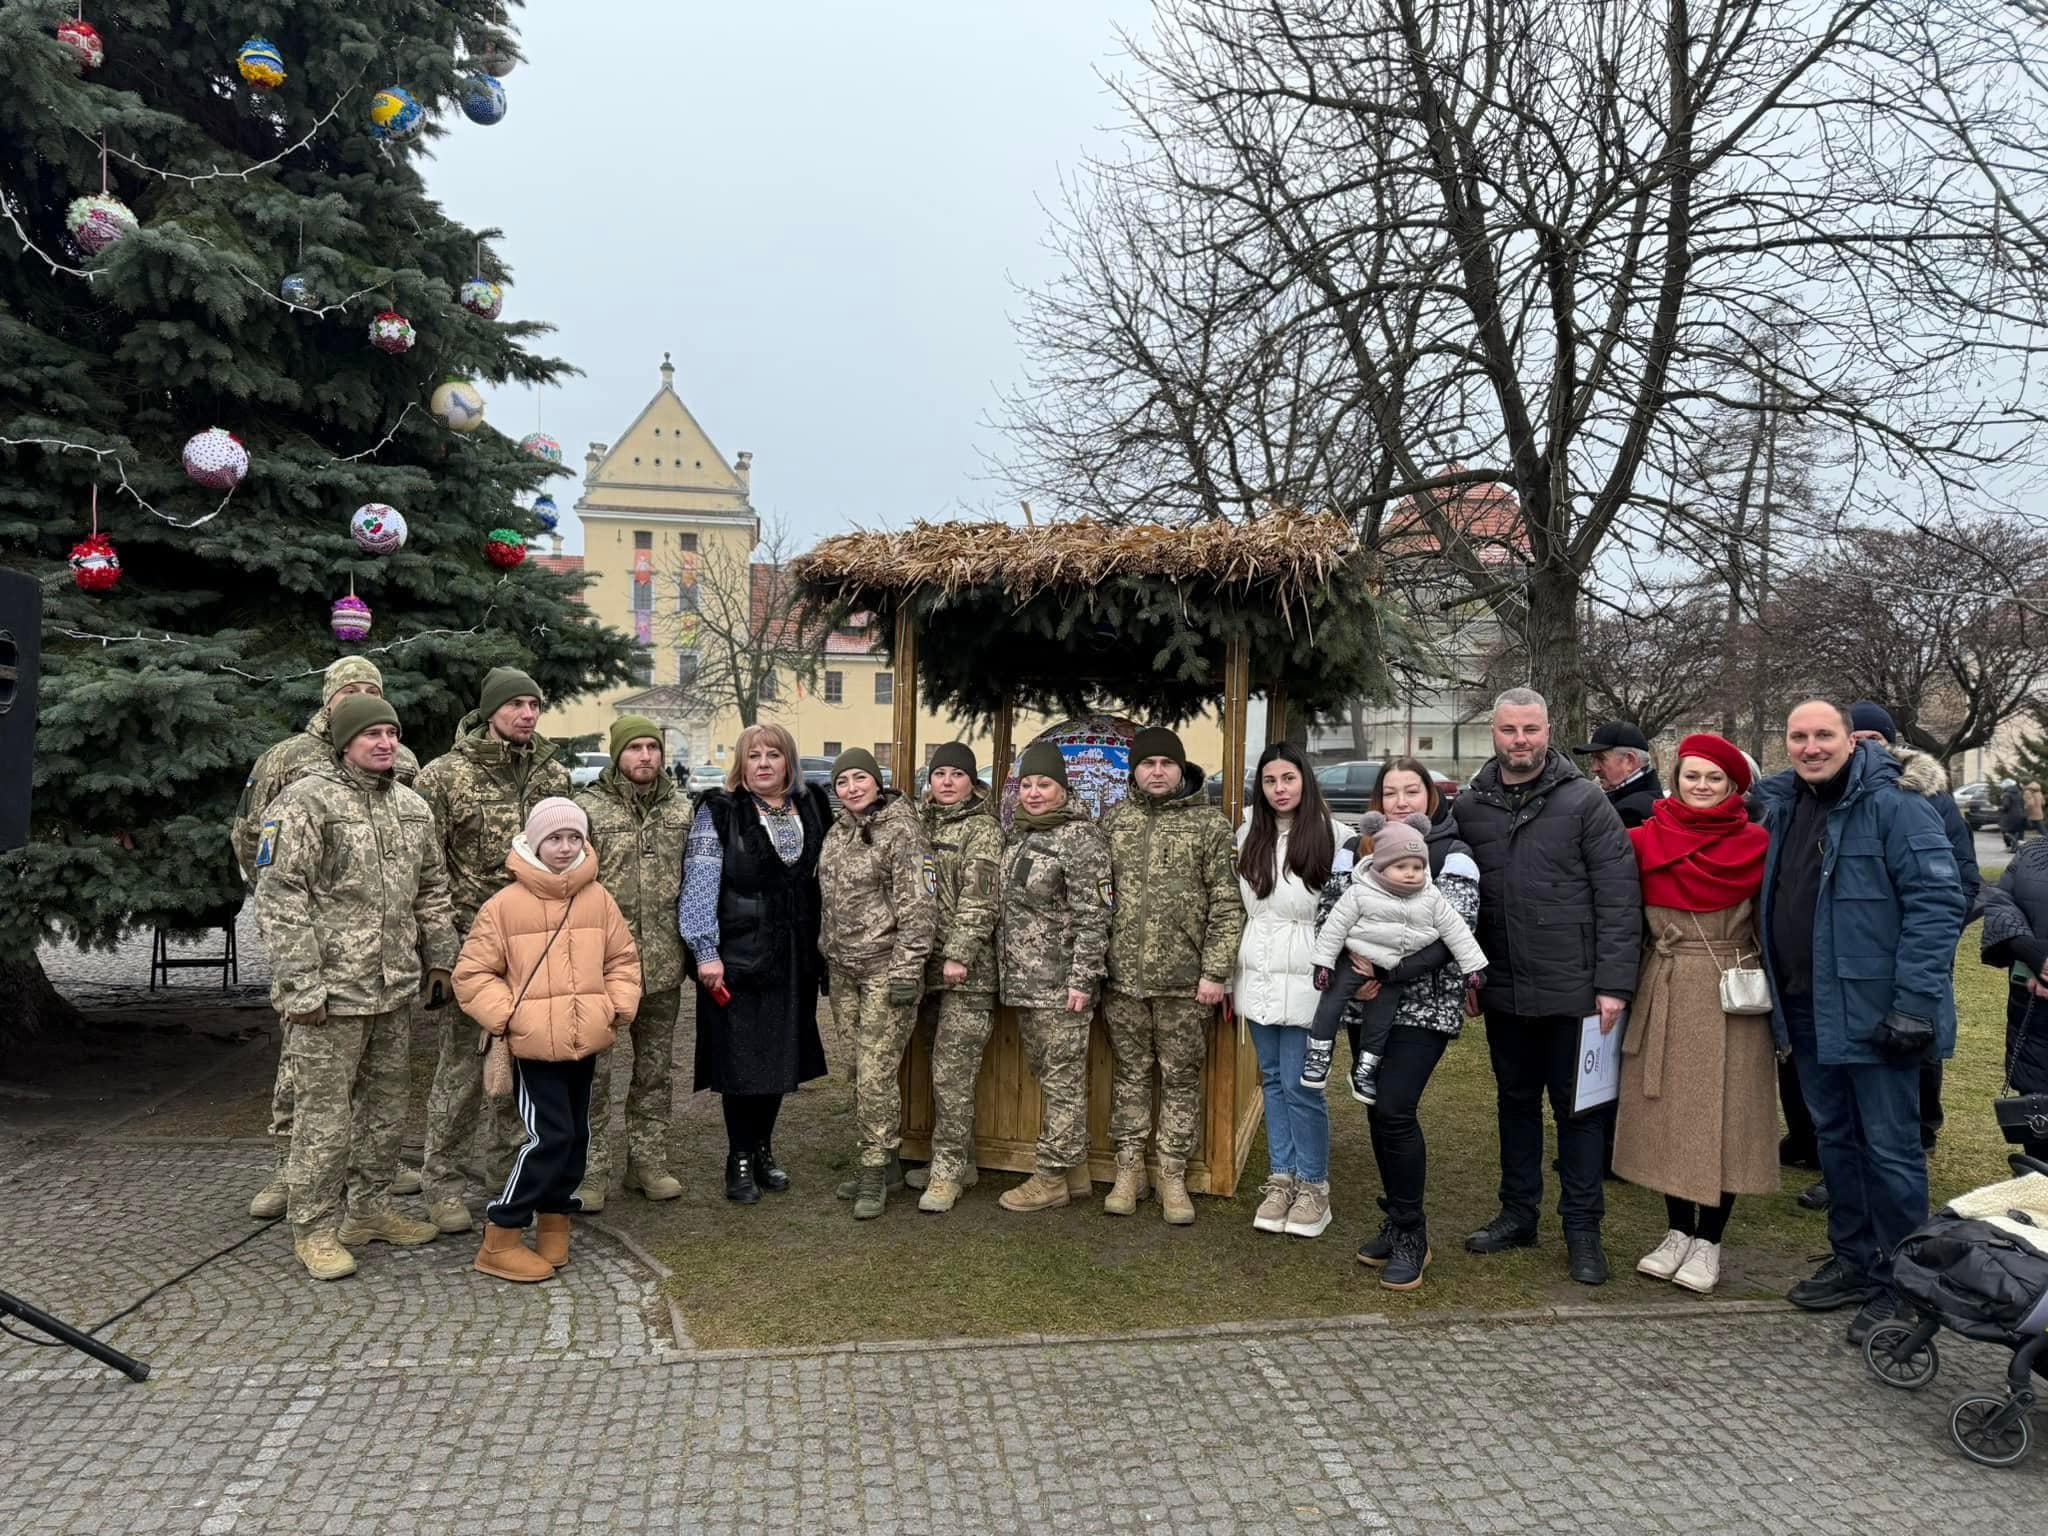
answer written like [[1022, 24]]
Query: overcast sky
[[819, 209]]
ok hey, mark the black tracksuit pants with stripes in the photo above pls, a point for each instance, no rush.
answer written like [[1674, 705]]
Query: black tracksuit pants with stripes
[[553, 1100]]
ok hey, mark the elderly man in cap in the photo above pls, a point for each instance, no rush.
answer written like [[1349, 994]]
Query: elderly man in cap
[[282, 766], [1619, 756], [353, 900], [481, 791], [638, 825]]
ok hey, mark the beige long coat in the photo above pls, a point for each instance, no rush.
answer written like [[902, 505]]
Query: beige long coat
[[1698, 1112]]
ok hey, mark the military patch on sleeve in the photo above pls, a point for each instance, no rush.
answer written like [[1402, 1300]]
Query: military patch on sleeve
[[983, 878], [266, 850], [1107, 891], [931, 875]]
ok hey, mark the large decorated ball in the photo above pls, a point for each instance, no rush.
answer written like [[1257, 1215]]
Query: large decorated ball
[[1097, 749], [504, 548], [260, 63], [548, 514], [297, 290], [541, 446], [483, 100], [216, 459], [83, 39], [458, 405], [480, 296], [378, 529], [391, 332], [349, 618], [493, 55], [395, 116], [95, 566], [97, 221]]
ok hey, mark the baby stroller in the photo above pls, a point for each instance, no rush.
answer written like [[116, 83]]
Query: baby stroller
[[1980, 1269]]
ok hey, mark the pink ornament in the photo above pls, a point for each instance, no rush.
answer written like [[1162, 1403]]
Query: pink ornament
[[94, 564], [83, 39], [216, 459], [350, 619], [97, 220], [391, 332]]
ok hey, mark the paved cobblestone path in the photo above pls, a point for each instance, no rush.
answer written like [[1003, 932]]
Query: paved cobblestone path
[[421, 1397]]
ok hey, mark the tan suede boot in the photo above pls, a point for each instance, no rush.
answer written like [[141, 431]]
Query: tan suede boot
[[449, 1215], [506, 1256], [551, 1238], [268, 1203], [1079, 1186], [1178, 1209], [939, 1195], [919, 1178], [407, 1182], [1123, 1198], [1043, 1191], [384, 1225], [654, 1183], [324, 1257]]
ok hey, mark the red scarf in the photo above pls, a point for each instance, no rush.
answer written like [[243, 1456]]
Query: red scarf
[[1699, 861]]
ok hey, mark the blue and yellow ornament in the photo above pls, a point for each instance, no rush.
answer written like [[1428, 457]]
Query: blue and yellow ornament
[[260, 63], [483, 100], [395, 116]]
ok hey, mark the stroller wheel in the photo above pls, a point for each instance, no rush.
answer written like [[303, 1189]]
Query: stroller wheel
[[1991, 1431], [1892, 1359]]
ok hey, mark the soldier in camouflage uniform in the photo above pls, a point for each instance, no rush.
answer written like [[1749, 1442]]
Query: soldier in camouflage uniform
[[353, 901], [1057, 896], [1172, 946], [960, 976], [638, 825], [276, 771], [481, 791], [877, 883]]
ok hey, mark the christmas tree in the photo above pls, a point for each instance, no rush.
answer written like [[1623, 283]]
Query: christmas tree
[[274, 222]]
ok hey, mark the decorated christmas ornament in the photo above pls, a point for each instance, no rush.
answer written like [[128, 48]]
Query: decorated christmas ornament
[[216, 459], [483, 100], [541, 446], [349, 619], [458, 405], [391, 332], [545, 510], [504, 547], [97, 220], [378, 529], [260, 63], [297, 290], [395, 116], [494, 56], [83, 39], [480, 296], [94, 564]]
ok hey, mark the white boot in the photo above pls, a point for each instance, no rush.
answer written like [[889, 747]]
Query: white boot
[[1701, 1270], [1663, 1261]]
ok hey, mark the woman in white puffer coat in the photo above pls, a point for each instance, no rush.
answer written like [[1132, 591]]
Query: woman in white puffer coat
[[1288, 847]]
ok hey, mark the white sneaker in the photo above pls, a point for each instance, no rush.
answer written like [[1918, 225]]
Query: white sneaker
[[1277, 1199], [1309, 1214], [1663, 1261], [1701, 1270]]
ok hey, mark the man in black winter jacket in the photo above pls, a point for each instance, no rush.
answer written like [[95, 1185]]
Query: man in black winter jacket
[[1619, 756], [1560, 919]]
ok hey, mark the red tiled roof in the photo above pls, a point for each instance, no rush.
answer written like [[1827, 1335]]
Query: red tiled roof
[[561, 565], [767, 594], [1488, 515]]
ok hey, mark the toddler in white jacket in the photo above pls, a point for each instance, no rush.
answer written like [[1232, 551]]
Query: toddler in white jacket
[[1389, 911]]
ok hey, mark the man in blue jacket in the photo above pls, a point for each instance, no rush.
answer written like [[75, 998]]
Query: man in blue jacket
[[1862, 908]]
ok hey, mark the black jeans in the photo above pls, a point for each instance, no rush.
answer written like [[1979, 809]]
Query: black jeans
[[1532, 1057], [554, 1105], [1798, 1123], [1410, 1057]]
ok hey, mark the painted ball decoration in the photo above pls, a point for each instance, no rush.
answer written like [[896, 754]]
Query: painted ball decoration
[[483, 100], [95, 566], [216, 459], [547, 513], [391, 332], [349, 618], [458, 405], [395, 116], [98, 221], [480, 296], [504, 548], [260, 63], [298, 291], [83, 39], [494, 57], [378, 529], [541, 446]]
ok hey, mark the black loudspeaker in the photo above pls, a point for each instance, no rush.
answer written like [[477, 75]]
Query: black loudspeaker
[[21, 630]]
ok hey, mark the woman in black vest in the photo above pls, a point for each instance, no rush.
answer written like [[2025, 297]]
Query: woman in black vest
[[748, 914]]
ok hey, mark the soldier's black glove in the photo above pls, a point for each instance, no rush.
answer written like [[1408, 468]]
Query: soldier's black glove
[[902, 993], [440, 988]]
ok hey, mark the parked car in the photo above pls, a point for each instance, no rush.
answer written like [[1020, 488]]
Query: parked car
[[1348, 786], [588, 765], [816, 770], [705, 776], [1979, 804]]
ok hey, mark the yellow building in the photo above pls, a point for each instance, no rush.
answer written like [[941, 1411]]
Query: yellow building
[[669, 532]]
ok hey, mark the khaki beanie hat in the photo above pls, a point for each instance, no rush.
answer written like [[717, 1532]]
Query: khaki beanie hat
[[1045, 760], [628, 729], [504, 684], [857, 757], [352, 716]]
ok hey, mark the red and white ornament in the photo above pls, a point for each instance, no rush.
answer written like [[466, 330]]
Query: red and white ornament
[[504, 548], [216, 459], [349, 619], [95, 565], [97, 220], [83, 39], [391, 332], [378, 529]]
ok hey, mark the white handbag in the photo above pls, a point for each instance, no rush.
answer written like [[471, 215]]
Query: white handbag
[[1745, 989]]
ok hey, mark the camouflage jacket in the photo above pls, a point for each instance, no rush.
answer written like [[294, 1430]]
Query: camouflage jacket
[[353, 898], [1178, 912], [278, 769], [878, 882], [480, 791], [639, 836], [967, 846], [1057, 895]]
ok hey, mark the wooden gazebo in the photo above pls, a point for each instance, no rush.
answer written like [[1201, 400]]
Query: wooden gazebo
[[1160, 623]]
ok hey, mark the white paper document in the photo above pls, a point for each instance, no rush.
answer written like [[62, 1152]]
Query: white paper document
[[1599, 1065]]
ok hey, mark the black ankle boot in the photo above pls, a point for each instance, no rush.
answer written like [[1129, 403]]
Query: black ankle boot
[[768, 1173], [739, 1179]]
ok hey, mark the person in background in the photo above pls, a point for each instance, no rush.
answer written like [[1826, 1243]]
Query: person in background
[[2015, 939], [1619, 756], [749, 914], [2012, 817], [2033, 800]]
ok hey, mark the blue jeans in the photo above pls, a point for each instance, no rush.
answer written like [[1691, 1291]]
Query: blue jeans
[[1297, 1118]]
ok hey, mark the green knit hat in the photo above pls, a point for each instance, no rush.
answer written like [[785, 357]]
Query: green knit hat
[[504, 684], [1045, 760], [628, 729], [350, 717], [857, 757], [1158, 741], [956, 754]]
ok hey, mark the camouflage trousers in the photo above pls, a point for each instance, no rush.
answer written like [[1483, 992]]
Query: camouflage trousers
[[281, 1095], [1056, 1045], [648, 1095], [878, 1031], [459, 1114], [350, 1078], [960, 1023], [1174, 1031]]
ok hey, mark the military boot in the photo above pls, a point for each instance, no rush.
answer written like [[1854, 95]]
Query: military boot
[[1043, 1191], [551, 1238], [940, 1194], [449, 1215], [1174, 1203], [381, 1224], [270, 1200], [324, 1257], [654, 1183], [850, 1190], [508, 1258], [871, 1197], [918, 1178], [590, 1196], [1079, 1185], [407, 1182], [1123, 1198]]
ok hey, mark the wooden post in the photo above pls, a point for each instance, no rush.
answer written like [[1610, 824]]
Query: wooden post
[[903, 771], [1237, 687], [1276, 712], [999, 750]]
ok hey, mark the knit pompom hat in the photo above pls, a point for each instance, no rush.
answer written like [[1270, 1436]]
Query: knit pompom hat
[[554, 814], [1391, 840]]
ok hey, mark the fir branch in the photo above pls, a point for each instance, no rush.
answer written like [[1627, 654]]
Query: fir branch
[[28, 245], [120, 469], [369, 452], [216, 174]]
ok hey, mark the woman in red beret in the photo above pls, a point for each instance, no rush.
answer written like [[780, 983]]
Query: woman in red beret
[[1698, 1115]]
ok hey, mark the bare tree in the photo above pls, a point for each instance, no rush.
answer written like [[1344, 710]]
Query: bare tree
[[1366, 251], [740, 615]]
